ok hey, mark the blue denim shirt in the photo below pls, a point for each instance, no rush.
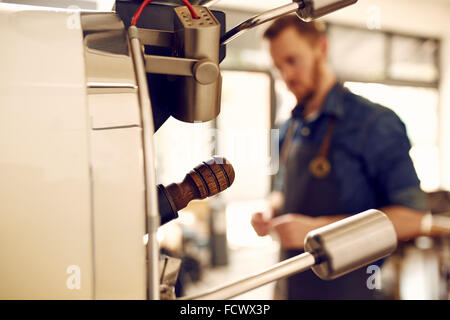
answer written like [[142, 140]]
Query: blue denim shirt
[[369, 153]]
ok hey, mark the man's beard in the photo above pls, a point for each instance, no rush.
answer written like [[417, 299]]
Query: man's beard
[[315, 83]]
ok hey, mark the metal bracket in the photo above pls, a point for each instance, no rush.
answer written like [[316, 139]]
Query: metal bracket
[[169, 65], [193, 56], [157, 38], [204, 71]]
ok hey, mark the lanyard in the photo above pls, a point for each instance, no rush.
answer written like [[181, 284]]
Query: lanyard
[[319, 166]]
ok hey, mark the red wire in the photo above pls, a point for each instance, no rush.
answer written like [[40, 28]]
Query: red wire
[[146, 2], [191, 9], [139, 12]]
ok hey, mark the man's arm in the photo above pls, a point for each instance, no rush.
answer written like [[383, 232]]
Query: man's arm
[[293, 228], [407, 222]]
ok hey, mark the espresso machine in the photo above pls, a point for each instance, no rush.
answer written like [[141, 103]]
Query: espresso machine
[[81, 95]]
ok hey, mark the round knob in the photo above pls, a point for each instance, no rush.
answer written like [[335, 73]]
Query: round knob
[[206, 71]]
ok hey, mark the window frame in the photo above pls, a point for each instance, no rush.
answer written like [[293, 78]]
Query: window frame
[[388, 38]]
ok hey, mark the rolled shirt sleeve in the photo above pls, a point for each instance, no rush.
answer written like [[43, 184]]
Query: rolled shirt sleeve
[[385, 149]]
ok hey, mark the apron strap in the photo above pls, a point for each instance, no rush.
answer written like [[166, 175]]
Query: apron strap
[[293, 125], [325, 146]]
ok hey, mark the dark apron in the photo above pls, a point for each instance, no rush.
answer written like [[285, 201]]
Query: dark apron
[[306, 194]]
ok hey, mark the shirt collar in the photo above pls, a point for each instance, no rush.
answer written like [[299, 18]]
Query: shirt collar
[[333, 102], [332, 105]]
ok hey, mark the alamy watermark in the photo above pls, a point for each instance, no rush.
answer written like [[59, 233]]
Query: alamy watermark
[[373, 21], [73, 281], [374, 280], [73, 21], [244, 147]]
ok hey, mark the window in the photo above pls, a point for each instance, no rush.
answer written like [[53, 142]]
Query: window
[[357, 53], [418, 109], [374, 56], [413, 59]]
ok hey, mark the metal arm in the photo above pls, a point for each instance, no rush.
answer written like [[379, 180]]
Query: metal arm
[[258, 20], [306, 10], [283, 269], [331, 252], [153, 220]]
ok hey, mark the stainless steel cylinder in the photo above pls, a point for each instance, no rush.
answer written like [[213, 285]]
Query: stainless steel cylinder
[[332, 251], [199, 96], [349, 244], [313, 9]]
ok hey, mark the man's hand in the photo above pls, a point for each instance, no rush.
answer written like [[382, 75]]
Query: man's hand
[[261, 224], [261, 220], [292, 229]]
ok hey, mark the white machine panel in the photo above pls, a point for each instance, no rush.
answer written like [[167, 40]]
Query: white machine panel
[[46, 226], [72, 206], [119, 214]]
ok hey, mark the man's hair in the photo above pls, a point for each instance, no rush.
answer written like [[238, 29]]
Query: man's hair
[[311, 30]]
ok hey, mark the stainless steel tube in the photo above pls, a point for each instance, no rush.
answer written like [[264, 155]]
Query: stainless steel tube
[[149, 165], [206, 3], [331, 252], [306, 10], [283, 269], [314, 9], [259, 19], [351, 243]]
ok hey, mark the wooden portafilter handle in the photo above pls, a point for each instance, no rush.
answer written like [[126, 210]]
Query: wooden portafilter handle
[[205, 180]]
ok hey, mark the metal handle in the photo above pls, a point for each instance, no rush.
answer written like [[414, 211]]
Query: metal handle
[[306, 10], [205, 3], [258, 20], [314, 9], [283, 269], [332, 251], [153, 219]]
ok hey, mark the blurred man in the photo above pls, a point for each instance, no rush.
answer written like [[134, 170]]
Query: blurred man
[[340, 155]]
